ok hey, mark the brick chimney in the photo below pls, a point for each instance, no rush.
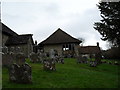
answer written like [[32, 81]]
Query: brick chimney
[[35, 42]]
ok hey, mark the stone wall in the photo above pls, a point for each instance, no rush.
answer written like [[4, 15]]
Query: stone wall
[[25, 48], [0, 38], [4, 39], [58, 47], [30, 46]]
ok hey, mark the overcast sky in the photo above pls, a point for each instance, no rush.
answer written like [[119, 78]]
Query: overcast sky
[[42, 18]]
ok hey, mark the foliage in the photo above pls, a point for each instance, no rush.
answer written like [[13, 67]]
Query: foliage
[[109, 27], [68, 75], [112, 53]]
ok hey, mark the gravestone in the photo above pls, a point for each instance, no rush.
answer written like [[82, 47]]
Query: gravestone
[[12, 50], [20, 74], [93, 63], [49, 65], [82, 59], [41, 56], [79, 59], [5, 50], [34, 57], [8, 59], [20, 58], [52, 53], [39, 53], [49, 62], [59, 59]]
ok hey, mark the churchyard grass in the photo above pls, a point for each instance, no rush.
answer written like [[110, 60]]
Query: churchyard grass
[[68, 75]]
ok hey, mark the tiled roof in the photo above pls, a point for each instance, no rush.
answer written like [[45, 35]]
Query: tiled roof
[[6, 30], [89, 49], [60, 37], [20, 39]]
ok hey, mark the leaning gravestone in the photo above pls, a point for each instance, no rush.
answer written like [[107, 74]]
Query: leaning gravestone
[[49, 65], [20, 72]]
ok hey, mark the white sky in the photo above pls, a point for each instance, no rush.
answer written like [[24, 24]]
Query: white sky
[[42, 17]]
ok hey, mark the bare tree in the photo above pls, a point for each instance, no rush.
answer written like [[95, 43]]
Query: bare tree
[[81, 39]]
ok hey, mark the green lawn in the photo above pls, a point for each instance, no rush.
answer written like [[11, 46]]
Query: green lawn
[[68, 75]]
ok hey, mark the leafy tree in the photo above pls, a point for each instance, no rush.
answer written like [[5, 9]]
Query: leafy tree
[[109, 26]]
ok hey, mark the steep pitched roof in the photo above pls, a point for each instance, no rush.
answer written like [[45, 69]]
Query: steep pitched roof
[[6, 30], [89, 49], [20, 39], [60, 37]]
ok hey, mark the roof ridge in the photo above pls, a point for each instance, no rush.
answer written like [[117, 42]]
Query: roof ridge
[[8, 30], [59, 36], [25, 34]]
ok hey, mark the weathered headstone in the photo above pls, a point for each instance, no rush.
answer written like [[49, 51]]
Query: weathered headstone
[[52, 53], [34, 57], [82, 59], [49, 65], [12, 50], [8, 59], [5, 50], [59, 59], [41, 56], [20, 74], [20, 58]]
